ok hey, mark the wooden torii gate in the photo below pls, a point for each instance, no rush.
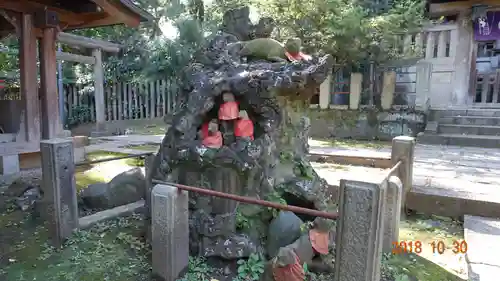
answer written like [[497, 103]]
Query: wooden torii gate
[[95, 60], [45, 22]]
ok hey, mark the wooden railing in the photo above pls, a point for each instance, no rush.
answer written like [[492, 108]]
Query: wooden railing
[[123, 101], [486, 88]]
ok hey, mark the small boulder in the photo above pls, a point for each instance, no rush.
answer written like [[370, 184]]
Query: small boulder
[[124, 188], [28, 198], [283, 231], [96, 196], [17, 188]]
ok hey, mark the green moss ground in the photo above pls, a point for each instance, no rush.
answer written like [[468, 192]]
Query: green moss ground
[[146, 147], [85, 175]]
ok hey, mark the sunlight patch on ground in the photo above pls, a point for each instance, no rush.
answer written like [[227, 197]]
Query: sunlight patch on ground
[[105, 171], [429, 230], [318, 142]]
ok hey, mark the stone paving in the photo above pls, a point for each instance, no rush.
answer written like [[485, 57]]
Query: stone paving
[[466, 172], [482, 236]]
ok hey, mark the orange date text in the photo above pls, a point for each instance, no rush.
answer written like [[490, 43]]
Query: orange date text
[[436, 247], [401, 247]]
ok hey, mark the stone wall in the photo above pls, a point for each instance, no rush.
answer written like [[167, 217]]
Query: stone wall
[[366, 124]]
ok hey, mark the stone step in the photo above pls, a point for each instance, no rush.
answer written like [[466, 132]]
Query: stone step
[[461, 140], [469, 129], [470, 120], [483, 248], [484, 112]]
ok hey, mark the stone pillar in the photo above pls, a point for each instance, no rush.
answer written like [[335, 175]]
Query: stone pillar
[[58, 186], [228, 181], [324, 92], [461, 51], [170, 231], [403, 148], [51, 119], [30, 125], [359, 231], [388, 89], [355, 92], [99, 90], [423, 86], [392, 214], [9, 164]]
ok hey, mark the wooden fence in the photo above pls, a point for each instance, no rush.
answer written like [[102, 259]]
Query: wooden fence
[[123, 101]]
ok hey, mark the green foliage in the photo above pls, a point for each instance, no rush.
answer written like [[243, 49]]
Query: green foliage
[[79, 114], [276, 198], [242, 222], [198, 270], [251, 269], [9, 67], [344, 28]]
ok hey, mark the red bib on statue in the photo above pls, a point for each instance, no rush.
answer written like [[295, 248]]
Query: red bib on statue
[[228, 111], [243, 128], [297, 56], [291, 272], [214, 141]]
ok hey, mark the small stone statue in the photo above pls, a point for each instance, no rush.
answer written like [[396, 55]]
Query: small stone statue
[[287, 265], [292, 50], [203, 133], [243, 129], [228, 112], [214, 138]]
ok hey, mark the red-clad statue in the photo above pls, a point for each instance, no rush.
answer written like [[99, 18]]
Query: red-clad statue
[[228, 112], [243, 128], [214, 136]]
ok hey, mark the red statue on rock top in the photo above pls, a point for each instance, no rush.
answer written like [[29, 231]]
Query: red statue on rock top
[[243, 126], [229, 108], [214, 136]]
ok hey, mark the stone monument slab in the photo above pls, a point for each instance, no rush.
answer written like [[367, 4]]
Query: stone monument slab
[[359, 231], [169, 231]]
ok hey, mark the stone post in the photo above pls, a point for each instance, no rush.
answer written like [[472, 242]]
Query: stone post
[[423, 86], [403, 148], [170, 231], [388, 89], [355, 92], [58, 185], [359, 231], [392, 214]]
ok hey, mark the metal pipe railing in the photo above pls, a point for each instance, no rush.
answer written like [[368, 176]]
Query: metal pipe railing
[[112, 159], [394, 169], [253, 201]]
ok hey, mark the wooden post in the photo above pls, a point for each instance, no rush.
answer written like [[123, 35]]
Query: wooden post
[[51, 120], [29, 88], [99, 89]]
